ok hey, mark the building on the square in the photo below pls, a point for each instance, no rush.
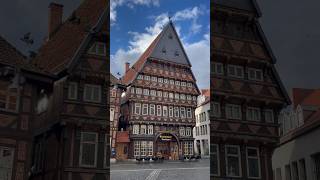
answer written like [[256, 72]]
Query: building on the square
[[19, 84], [247, 93], [201, 132], [298, 154], [116, 90], [158, 107], [71, 127]]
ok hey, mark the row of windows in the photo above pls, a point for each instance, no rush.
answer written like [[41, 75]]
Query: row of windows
[[202, 117], [164, 111], [143, 148], [233, 111], [164, 80], [233, 161], [142, 129], [237, 71], [91, 93], [165, 94], [296, 170], [202, 130]]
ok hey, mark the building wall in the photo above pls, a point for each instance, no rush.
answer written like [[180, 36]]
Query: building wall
[[300, 148], [206, 135]]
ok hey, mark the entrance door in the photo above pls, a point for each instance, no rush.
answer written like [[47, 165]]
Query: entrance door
[[6, 162]]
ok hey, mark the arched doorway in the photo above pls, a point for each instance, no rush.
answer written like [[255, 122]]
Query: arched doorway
[[167, 144]]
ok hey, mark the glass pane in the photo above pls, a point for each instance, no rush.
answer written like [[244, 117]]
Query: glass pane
[[88, 137], [88, 154], [253, 167], [233, 166], [252, 152], [214, 164]]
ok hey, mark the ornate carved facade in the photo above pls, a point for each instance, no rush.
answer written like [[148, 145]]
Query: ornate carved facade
[[158, 109], [247, 93]]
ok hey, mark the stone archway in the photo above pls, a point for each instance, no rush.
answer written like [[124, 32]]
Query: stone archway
[[170, 139]]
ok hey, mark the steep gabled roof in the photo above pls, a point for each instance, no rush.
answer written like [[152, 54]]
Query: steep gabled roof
[[167, 40], [63, 46], [247, 5], [306, 97]]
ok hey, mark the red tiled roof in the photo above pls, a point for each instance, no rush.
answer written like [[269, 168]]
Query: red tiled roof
[[310, 97], [133, 71], [59, 50], [122, 137]]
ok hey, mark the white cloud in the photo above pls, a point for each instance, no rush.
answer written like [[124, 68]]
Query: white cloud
[[198, 52], [190, 14], [130, 3]]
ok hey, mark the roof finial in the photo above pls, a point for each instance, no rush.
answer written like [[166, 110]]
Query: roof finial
[[169, 17]]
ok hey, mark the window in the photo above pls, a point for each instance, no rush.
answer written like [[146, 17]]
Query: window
[[183, 112], [150, 148], [214, 163], [189, 97], [145, 109], [160, 80], [140, 76], [255, 74], [166, 81], [165, 111], [111, 114], [295, 173], [302, 169], [132, 90], [153, 93], [143, 129], [189, 84], [170, 111], [154, 79], [176, 111], [143, 148], [152, 109], [176, 95], [188, 148], [137, 108], [158, 110], [171, 95], [253, 162], [113, 93], [147, 78], [165, 94], [178, 83], [88, 149], [159, 93], [135, 129], [72, 90], [233, 111], [216, 109], [253, 114], [217, 68], [136, 148], [182, 131], [235, 71], [188, 131], [182, 96], [9, 97], [233, 161], [146, 92], [138, 90], [150, 129], [92, 93], [171, 81], [194, 98], [189, 114], [98, 48], [268, 115], [183, 83], [288, 172]]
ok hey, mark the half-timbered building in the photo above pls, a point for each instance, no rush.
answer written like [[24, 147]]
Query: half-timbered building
[[71, 136], [247, 93], [158, 107], [19, 86]]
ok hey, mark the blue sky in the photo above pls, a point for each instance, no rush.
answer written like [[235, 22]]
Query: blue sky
[[135, 23]]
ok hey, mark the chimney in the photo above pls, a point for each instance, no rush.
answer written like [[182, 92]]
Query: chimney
[[55, 17], [127, 67]]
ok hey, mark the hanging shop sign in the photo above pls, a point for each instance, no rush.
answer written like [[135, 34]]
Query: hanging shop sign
[[166, 137]]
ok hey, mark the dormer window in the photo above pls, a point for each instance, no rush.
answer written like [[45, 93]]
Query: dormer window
[[170, 36], [164, 50], [176, 53], [98, 48]]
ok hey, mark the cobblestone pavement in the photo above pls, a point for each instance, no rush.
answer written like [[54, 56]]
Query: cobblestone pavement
[[167, 170]]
